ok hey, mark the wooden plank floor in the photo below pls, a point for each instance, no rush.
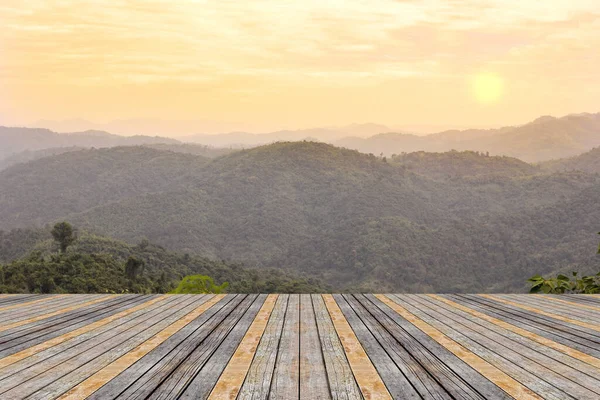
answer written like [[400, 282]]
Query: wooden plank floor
[[236, 346]]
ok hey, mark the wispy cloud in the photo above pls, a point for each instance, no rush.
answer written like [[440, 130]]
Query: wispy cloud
[[276, 46]]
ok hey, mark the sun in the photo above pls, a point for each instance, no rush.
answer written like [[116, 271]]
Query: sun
[[487, 87]]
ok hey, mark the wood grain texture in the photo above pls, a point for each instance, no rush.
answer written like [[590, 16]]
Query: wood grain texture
[[251, 347], [342, 383], [285, 383], [232, 378], [57, 312], [588, 325], [369, 381], [257, 383], [498, 377], [525, 333], [100, 378]]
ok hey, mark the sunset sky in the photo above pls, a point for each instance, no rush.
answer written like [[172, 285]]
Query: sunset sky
[[211, 66]]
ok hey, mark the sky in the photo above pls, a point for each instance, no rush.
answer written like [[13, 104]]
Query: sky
[[181, 66]]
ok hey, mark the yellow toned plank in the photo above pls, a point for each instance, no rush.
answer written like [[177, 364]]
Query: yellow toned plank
[[57, 312], [520, 331], [369, 381], [63, 338], [100, 378], [495, 375], [594, 327], [232, 378], [31, 302], [578, 305]]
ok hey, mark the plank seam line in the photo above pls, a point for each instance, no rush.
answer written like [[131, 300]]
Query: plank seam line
[[492, 373], [232, 378], [525, 333], [101, 377], [13, 358], [542, 312], [369, 381], [54, 313]]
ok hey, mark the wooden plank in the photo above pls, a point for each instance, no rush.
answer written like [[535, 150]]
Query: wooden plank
[[8, 299], [163, 365], [74, 333], [313, 378], [560, 308], [412, 380], [123, 360], [57, 312], [286, 380], [455, 375], [11, 304], [257, 381], [231, 380], [204, 382], [342, 384], [63, 367], [574, 369], [576, 298], [479, 373], [547, 377], [43, 307], [558, 331], [570, 302], [537, 310], [32, 334], [576, 354], [369, 381], [174, 378]]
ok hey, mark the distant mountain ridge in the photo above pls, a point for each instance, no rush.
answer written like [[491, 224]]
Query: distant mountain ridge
[[543, 139], [16, 140]]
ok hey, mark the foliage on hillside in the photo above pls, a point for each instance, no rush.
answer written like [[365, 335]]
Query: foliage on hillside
[[351, 220], [95, 264], [587, 162]]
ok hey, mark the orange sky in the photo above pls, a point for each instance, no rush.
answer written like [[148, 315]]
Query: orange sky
[[270, 64]]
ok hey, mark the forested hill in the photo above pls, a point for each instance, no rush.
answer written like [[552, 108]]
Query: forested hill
[[458, 221], [588, 162], [30, 263]]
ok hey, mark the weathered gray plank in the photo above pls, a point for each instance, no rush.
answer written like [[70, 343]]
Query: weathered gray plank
[[342, 383], [180, 372], [555, 331], [457, 377], [286, 382], [258, 380], [202, 384], [555, 307], [403, 376], [509, 356], [313, 378], [154, 364], [54, 355], [63, 377], [50, 328]]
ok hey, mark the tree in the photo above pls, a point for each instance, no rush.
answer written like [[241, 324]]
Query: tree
[[64, 235], [198, 284], [133, 267]]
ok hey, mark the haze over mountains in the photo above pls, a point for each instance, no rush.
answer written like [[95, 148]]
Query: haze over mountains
[[545, 138]]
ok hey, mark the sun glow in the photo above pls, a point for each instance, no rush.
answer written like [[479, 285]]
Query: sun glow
[[487, 87]]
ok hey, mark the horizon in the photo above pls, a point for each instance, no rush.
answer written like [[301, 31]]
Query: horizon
[[266, 66]]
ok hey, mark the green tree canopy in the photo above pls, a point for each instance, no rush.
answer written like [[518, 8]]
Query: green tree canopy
[[64, 234], [198, 284]]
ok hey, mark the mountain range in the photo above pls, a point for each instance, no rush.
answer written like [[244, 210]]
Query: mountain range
[[546, 138], [455, 221]]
